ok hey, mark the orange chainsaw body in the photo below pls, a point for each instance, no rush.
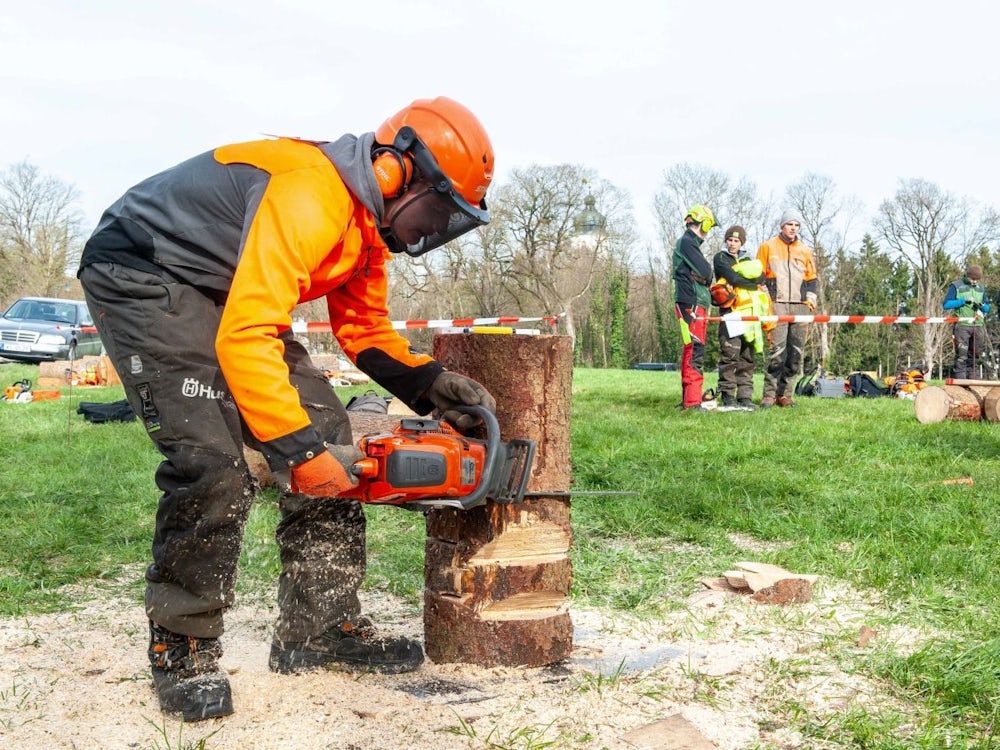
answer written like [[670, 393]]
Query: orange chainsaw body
[[427, 463]]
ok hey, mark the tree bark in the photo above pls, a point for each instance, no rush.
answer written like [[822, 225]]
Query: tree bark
[[497, 577]]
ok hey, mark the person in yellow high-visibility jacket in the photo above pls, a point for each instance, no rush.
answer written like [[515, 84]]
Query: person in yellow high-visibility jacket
[[739, 341]]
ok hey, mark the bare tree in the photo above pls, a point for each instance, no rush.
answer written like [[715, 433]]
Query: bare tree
[[827, 217], [553, 264], [685, 185], [933, 230], [40, 236]]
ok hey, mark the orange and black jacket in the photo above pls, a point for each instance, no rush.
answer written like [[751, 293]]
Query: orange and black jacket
[[263, 226], [789, 270]]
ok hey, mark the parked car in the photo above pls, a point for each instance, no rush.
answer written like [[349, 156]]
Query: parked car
[[39, 329]]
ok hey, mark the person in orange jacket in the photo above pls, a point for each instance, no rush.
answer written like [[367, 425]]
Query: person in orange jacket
[[193, 275], [790, 276]]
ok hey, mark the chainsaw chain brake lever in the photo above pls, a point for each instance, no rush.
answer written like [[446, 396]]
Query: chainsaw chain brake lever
[[506, 468], [478, 496]]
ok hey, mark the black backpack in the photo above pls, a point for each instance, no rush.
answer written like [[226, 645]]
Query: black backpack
[[806, 385], [865, 386], [116, 411]]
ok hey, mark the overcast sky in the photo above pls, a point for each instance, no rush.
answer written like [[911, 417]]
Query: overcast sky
[[102, 94]]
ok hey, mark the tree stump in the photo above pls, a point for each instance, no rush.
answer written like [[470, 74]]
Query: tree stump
[[497, 577], [936, 403]]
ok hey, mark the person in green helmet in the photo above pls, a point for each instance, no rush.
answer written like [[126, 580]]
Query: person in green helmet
[[692, 275]]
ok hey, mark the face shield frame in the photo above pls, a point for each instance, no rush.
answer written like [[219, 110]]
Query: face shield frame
[[464, 217]]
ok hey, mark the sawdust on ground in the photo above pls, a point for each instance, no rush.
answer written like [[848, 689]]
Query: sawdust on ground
[[80, 680]]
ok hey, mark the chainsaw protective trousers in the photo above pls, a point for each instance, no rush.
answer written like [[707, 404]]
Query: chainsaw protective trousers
[[160, 336], [785, 346]]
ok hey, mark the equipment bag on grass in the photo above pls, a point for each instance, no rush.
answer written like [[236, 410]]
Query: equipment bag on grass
[[865, 386], [116, 411]]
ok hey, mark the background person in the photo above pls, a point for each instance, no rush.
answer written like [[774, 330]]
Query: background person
[[692, 275], [742, 278], [790, 275], [966, 298], [192, 277]]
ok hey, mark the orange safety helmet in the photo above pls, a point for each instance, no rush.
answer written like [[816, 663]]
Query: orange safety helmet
[[454, 136], [447, 145]]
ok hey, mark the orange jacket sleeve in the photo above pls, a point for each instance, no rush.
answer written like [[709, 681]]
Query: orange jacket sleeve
[[306, 238]]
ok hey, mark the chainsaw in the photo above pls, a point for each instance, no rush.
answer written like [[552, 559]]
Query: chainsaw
[[426, 463]]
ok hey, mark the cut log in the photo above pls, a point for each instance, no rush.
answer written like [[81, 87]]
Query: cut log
[[63, 371], [937, 403], [979, 391], [991, 404], [497, 577]]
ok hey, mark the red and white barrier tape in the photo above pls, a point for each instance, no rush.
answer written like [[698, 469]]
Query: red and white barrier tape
[[835, 319], [302, 326]]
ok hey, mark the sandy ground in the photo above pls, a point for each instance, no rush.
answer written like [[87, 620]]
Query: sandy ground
[[80, 680]]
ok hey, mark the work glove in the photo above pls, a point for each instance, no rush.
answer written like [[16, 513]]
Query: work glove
[[450, 389], [811, 301], [328, 474], [985, 307]]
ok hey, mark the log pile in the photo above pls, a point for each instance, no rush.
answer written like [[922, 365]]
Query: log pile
[[81, 372], [960, 400]]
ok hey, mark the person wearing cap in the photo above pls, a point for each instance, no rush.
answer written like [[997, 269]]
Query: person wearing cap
[[791, 278], [692, 274], [966, 299], [740, 279]]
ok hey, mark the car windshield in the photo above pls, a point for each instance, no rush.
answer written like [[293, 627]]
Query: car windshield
[[49, 311]]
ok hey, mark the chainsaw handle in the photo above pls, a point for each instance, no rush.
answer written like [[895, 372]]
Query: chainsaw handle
[[478, 496]]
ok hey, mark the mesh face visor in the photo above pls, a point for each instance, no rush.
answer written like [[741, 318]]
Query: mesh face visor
[[464, 216]]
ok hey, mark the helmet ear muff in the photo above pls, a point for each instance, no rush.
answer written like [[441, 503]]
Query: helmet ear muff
[[393, 171]]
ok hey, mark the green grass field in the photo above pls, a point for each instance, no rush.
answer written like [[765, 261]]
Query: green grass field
[[851, 489]]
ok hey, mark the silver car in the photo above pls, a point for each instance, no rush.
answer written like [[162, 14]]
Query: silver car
[[38, 329]]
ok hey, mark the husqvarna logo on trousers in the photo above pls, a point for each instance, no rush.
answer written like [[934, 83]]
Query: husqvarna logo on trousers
[[193, 388]]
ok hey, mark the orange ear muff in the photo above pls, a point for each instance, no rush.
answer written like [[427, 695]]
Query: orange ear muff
[[393, 171]]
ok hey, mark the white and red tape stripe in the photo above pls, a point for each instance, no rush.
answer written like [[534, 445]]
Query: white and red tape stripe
[[302, 326], [835, 319]]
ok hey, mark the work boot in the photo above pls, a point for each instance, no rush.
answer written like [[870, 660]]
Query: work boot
[[746, 403], [728, 399], [767, 402], [349, 647], [785, 401], [186, 674]]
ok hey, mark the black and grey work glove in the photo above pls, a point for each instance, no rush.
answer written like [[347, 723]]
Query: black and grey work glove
[[450, 389]]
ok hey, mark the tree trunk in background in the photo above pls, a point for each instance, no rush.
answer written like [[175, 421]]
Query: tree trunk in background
[[497, 577]]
